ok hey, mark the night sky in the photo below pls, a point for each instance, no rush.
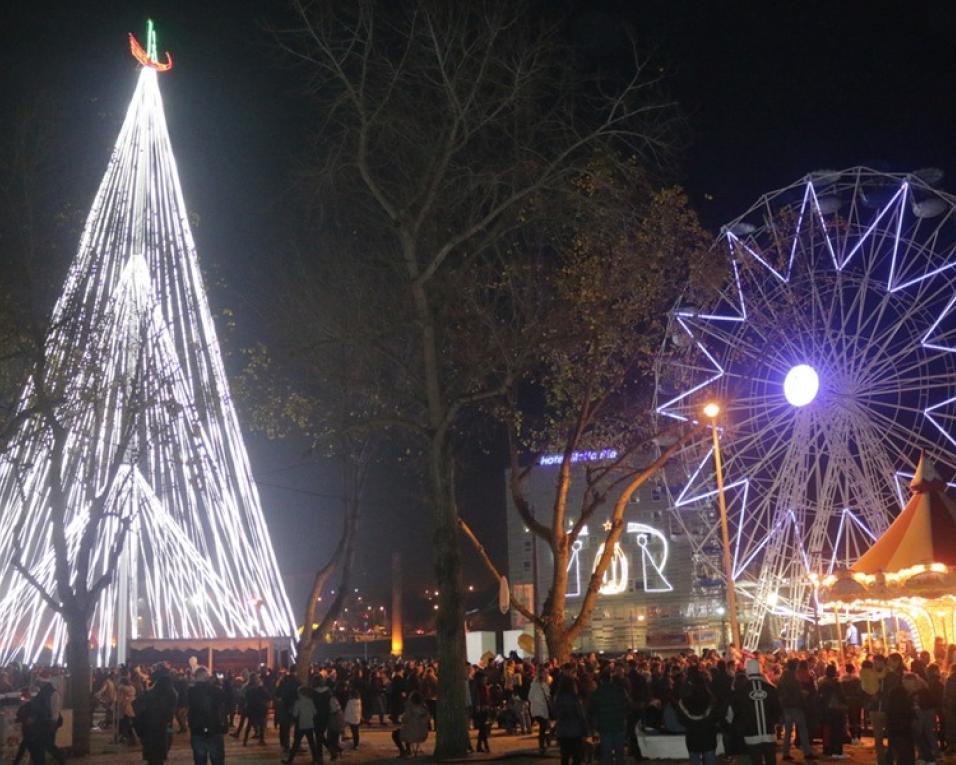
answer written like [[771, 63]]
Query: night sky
[[770, 91]]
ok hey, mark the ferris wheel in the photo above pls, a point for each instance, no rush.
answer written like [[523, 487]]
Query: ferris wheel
[[831, 346]]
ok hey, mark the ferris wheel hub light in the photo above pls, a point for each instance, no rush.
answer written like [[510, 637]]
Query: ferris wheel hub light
[[801, 385]]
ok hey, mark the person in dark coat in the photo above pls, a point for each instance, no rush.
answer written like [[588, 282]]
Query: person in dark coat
[[322, 699], [571, 725], [833, 710], [700, 715], [36, 722], [206, 714], [396, 696], [855, 698], [287, 691], [481, 711], [155, 711], [901, 719], [257, 705], [609, 707], [638, 691], [181, 686], [793, 702], [756, 712]]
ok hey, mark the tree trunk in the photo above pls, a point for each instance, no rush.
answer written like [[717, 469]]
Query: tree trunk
[[559, 644], [78, 662], [451, 724], [303, 659], [340, 562]]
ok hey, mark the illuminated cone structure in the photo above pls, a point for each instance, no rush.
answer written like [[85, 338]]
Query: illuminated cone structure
[[198, 562]]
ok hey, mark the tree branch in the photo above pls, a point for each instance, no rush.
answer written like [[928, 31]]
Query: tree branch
[[490, 565]]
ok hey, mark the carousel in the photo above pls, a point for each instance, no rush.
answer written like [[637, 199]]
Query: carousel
[[908, 577]]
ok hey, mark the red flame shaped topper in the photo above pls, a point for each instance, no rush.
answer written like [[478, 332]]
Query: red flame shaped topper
[[140, 54]]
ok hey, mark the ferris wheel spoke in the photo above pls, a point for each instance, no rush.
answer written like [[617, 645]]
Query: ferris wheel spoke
[[892, 431], [924, 359], [742, 344]]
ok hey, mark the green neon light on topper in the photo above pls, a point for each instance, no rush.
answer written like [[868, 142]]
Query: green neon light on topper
[[151, 49]]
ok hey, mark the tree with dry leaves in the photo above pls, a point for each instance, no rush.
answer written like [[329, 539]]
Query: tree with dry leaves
[[619, 254]]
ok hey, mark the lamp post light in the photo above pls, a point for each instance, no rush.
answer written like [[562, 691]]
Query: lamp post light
[[711, 411]]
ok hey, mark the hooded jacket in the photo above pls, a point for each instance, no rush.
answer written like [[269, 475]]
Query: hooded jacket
[[700, 720], [756, 709]]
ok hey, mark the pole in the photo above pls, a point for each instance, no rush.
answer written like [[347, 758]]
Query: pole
[[259, 603], [397, 638], [538, 652], [725, 536], [839, 631]]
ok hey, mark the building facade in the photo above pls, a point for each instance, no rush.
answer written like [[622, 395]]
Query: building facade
[[658, 594]]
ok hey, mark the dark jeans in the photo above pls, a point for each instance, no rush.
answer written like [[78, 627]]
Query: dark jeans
[[834, 723], [854, 716], [632, 719], [332, 742], [762, 753], [355, 735], [543, 726], [285, 728], [37, 752], [571, 750], [209, 748], [314, 746], [612, 747], [256, 726], [900, 750], [483, 726], [126, 730]]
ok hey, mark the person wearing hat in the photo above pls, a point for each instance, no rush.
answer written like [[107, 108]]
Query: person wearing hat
[[756, 712]]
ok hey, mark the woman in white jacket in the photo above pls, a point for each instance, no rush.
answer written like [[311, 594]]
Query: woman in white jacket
[[353, 715], [539, 697]]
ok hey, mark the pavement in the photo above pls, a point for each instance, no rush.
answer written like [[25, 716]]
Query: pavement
[[376, 746]]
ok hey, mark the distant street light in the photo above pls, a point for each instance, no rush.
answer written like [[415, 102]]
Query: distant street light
[[711, 410]]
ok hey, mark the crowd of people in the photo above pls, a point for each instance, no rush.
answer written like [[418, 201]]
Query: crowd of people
[[592, 707]]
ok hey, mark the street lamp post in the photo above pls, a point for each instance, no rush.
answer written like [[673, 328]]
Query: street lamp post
[[711, 411], [258, 603]]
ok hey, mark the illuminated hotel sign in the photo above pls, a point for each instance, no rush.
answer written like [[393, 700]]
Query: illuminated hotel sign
[[588, 456]]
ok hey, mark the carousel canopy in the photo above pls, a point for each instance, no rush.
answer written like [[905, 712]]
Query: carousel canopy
[[924, 532]]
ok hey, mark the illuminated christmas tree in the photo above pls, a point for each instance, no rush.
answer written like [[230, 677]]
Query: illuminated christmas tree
[[134, 364]]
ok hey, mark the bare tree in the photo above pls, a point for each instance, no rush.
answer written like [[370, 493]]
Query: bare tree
[[438, 124], [57, 413], [76, 391]]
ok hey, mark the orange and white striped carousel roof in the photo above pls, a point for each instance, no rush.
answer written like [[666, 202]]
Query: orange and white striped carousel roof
[[923, 533]]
